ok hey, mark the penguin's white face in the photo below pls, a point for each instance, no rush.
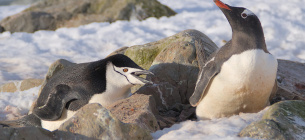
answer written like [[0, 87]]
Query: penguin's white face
[[132, 75], [126, 76]]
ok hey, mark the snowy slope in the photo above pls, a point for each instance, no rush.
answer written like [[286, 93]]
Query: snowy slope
[[27, 55]]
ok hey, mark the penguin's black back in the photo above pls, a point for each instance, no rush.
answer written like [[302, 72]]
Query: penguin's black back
[[85, 79]]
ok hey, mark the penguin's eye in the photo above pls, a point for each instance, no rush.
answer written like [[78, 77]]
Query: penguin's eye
[[244, 15], [125, 70]]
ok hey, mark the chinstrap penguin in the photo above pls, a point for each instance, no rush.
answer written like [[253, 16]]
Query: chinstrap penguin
[[104, 82], [241, 75]]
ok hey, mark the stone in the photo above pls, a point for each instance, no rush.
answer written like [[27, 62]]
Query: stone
[[30, 83], [291, 81], [95, 121], [9, 87], [53, 14], [283, 120], [138, 109], [26, 133], [21, 85], [37, 133], [173, 60], [17, 2], [119, 51], [57, 66], [29, 22]]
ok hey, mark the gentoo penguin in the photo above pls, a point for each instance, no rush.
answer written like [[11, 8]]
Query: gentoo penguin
[[241, 75], [104, 82]]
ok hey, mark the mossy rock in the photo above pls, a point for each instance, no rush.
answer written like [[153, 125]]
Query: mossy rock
[[53, 14], [283, 120], [144, 55]]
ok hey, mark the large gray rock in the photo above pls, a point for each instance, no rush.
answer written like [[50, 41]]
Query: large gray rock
[[25, 133], [38, 133], [95, 121], [283, 120], [53, 14], [174, 62], [29, 22], [291, 81], [138, 109], [11, 2]]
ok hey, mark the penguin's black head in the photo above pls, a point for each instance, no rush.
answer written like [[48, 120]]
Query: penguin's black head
[[125, 71], [241, 19], [120, 60]]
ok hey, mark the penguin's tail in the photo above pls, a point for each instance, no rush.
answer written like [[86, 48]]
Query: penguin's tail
[[28, 120]]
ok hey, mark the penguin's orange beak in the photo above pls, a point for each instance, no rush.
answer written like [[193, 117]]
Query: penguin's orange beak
[[221, 5]]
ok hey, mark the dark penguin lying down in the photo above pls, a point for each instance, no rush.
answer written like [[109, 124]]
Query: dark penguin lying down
[[104, 82]]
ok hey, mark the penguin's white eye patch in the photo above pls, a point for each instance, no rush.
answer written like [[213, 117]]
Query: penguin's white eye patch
[[246, 13], [125, 70]]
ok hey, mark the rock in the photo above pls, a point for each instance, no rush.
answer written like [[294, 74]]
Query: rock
[[291, 81], [95, 121], [21, 85], [119, 51], [26, 133], [283, 120], [53, 14], [29, 22], [9, 87], [19, 2], [1, 29], [53, 69], [57, 66], [138, 109], [30, 83], [37, 133], [173, 60]]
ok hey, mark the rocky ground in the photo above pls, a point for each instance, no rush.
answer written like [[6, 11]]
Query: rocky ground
[[174, 62], [153, 107]]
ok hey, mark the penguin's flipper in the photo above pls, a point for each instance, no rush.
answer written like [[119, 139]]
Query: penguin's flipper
[[274, 90], [28, 120], [55, 103], [74, 105], [206, 74]]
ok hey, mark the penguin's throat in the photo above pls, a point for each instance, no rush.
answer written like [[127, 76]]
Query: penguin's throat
[[111, 95], [253, 41]]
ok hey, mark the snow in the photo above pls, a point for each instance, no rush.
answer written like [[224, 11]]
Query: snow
[[222, 128], [28, 55], [16, 104]]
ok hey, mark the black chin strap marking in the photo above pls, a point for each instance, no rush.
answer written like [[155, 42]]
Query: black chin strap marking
[[123, 75]]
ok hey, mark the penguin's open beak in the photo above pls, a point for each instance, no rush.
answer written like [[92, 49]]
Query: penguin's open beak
[[137, 75], [222, 5]]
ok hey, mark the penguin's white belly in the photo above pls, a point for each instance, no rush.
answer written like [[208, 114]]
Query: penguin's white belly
[[244, 84], [53, 125]]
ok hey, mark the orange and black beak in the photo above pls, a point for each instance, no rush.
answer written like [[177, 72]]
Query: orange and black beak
[[222, 5]]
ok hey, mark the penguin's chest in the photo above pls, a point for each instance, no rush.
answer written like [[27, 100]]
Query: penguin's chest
[[111, 95], [53, 125], [244, 84]]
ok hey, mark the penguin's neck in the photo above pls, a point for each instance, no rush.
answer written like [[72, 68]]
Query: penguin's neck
[[115, 89], [112, 94], [248, 40]]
